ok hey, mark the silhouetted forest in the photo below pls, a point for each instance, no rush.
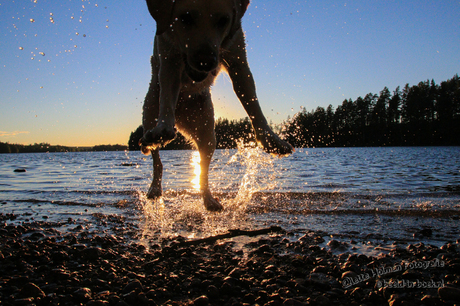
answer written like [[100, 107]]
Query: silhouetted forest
[[6, 147], [426, 114]]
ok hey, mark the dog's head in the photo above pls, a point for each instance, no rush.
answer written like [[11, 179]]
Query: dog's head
[[199, 27]]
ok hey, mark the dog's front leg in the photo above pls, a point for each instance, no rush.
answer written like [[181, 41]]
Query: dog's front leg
[[244, 87], [169, 84], [155, 187]]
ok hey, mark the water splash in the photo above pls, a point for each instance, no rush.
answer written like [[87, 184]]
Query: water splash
[[182, 213]]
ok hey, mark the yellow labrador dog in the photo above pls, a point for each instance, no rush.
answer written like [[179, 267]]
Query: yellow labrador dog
[[195, 40]]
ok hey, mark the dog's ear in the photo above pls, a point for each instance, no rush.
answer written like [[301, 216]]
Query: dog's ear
[[239, 8], [161, 11]]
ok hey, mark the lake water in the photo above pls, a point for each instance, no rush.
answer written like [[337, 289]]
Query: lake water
[[357, 193]]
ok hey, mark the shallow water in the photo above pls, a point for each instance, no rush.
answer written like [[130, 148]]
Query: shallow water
[[357, 193]]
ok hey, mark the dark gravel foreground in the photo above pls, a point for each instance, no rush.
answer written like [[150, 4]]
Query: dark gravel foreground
[[41, 265]]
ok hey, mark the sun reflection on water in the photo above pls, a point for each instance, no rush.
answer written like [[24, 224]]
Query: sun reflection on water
[[195, 162]]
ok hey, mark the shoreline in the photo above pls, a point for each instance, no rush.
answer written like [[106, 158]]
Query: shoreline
[[42, 265]]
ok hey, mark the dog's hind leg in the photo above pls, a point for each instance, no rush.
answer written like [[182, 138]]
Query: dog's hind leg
[[206, 149], [195, 118], [155, 188]]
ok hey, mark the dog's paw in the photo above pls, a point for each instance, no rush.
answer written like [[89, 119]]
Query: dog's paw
[[154, 192], [211, 203], [273, 144], [145, 149], [158, 136]]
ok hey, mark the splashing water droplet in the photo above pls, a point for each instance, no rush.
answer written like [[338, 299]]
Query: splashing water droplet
[[32, 20], [41, 53], [21, 48]]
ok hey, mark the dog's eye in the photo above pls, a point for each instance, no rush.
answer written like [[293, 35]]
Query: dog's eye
[[187, 19], [223, 21]]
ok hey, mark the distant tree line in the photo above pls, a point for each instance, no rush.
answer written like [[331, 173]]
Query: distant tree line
[[421, 115], [6, 147], [228, 131]]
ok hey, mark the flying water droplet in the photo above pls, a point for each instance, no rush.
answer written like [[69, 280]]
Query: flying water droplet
[[21, 48]]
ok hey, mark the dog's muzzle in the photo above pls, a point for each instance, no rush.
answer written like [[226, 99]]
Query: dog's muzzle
[[201, 63]]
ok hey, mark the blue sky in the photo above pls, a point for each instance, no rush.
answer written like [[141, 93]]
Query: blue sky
[[76, 72]]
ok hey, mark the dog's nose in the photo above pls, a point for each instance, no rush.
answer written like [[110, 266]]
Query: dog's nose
[[205, 59]]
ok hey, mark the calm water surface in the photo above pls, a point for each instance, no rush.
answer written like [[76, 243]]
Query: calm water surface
[[389, 193]]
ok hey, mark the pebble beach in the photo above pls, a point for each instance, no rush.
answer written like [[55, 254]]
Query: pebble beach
[[45, 263]]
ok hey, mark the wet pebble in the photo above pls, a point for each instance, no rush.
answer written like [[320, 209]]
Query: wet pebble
[[349, 274], [293, 302], [135, 285], [31, 290], [321, 280], [82, 294], [91, 253], [449, 293], [201, 301]]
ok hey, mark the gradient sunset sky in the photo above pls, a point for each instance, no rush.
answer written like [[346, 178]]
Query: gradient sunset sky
[[75, 72]]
